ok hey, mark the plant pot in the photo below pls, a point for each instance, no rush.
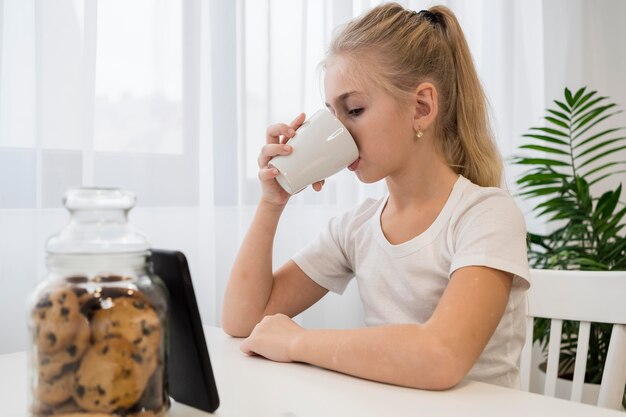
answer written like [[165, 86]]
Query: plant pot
[[564, 387]]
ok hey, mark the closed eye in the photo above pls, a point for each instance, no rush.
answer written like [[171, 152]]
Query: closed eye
[[355, 112]]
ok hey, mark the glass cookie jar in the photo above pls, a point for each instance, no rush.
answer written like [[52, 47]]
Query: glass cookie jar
[[98, 322]]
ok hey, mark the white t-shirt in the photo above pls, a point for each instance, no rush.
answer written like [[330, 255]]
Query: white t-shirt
[[403, 283]]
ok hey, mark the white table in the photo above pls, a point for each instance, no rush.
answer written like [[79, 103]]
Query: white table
[[256, 387]]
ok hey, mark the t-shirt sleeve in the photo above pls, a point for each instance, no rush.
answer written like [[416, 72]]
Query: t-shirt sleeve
[[325, 260], [492, 233]]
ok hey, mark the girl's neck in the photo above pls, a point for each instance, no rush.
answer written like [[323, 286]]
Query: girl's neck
[[426, 181]]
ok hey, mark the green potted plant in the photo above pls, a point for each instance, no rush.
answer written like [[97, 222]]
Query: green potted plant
[[565, 159]]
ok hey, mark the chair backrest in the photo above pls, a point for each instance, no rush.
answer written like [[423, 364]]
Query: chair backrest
[[585, 296]]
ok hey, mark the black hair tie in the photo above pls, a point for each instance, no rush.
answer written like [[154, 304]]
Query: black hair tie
[[430, 16]]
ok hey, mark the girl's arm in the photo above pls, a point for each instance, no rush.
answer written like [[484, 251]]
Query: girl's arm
[[250, 283], [253, 290], [435, 355]]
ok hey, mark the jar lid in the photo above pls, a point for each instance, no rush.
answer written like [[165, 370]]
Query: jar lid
[[98, 224], [86, 198]]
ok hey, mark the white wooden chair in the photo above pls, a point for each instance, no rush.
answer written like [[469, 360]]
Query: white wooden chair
[[585, 296]]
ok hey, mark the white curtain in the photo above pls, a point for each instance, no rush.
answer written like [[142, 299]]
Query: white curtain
[[170, 99], [108, 93]]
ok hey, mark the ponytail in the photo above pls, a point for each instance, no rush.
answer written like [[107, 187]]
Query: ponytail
[[467, 140], [402, 48]]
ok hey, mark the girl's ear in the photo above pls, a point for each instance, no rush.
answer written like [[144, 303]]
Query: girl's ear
[[426, 103]]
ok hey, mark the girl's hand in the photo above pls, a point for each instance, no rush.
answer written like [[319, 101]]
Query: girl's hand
[[273, 338], [276, 144]]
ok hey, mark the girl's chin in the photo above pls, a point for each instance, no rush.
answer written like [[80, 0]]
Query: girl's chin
[[365, 179]]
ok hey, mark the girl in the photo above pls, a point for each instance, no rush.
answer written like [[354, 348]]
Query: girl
[[440, 262]]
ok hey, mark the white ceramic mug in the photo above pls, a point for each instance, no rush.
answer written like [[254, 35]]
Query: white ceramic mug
[[321, 147]]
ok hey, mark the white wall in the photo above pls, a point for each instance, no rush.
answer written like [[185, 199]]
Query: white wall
[[585, 45]]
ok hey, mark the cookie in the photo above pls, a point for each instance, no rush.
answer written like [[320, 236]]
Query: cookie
[[51, 365], [110, 376], [84, 415], [57, 390], [56, 319], [154, 397], [134, 320], [43, 410]]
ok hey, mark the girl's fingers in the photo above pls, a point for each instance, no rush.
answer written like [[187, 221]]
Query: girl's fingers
[[267, 173], [271, 150], [281, 132], [297, 122], [277, 136], [317, 186], [275, 132]]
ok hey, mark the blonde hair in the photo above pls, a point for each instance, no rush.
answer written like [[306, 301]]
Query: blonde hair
[[398, 49]]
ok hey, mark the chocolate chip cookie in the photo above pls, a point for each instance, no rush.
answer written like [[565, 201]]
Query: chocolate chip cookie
[[110, 376], [134, 320], [51, 365], [57, 390], [56, 319]]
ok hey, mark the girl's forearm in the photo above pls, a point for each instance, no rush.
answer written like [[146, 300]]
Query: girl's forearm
[[405, 355], [250, 283]]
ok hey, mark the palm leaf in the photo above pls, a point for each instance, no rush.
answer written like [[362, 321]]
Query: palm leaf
[[568, 215], [568, 97], [606, 204], [539, 183], [558, 203], [557, 122], [586, 106], [603, 154], [582, 132], [591, 264], [541, 191], [599, 145], [609, 175], [594, 137], [547, 139], [550, 131], [543, 161], [545, 149], [540, 176], [579, 93], [559, 114], [615, 250], [584, 99], [601, 168], [581, 119], [613, 223]]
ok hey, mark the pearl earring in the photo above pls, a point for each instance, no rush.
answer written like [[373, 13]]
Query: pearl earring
[[419, 133]]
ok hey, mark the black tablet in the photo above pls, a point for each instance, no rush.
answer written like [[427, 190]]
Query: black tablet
[[191, 380]]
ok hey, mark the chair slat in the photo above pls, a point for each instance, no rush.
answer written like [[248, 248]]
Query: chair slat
[[599, 295], [553, 357], [526, 355], [614, 377], [581, 361]]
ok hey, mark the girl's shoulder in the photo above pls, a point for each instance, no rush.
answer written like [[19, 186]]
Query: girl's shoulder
[[473, 194], [485, 201]]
